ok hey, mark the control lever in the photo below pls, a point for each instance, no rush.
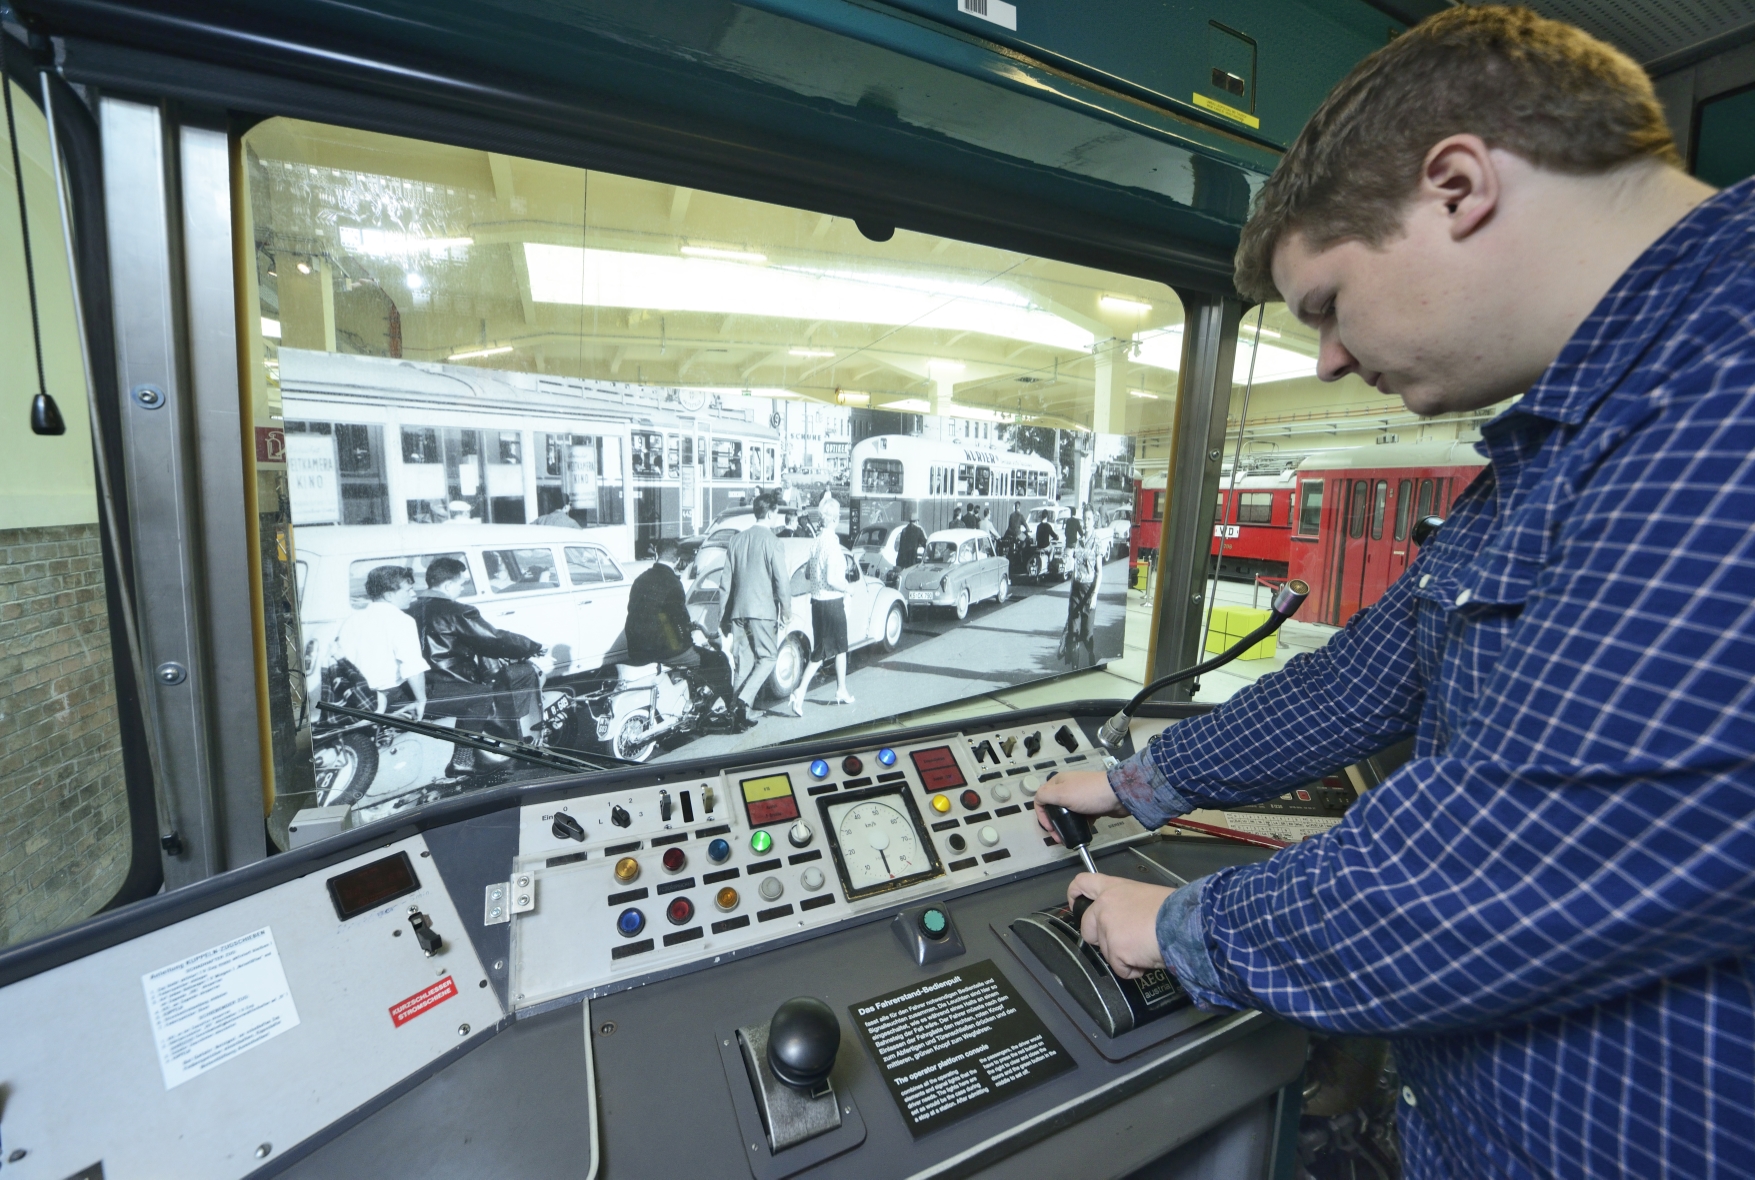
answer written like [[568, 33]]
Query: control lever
[[803, 1038], [429, 939], [1073, 829]]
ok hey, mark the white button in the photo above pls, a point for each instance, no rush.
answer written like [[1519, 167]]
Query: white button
[[813, 879], [1425, 580], [1000, 792], [1463, 597], [989, 835], [770, 889], [1408, 1096], [1029, 783]]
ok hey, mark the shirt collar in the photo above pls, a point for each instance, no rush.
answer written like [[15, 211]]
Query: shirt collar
[[1643, 300]]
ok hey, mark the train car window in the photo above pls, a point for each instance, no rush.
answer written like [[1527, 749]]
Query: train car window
[[1309, 507], [1425, 508], [1356, 510], [64, 815], [1404, 508], [1379, 506], [1255, 508]]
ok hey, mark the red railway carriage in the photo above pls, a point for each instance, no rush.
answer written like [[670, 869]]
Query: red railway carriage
[[1357, 509], [1253, 531]]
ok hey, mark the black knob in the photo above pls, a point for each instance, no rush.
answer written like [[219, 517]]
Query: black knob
[[803, 1039], [1033, 743], [1067, 739], [1426, 528], [566, 827], [618, 815], [1073, 829]]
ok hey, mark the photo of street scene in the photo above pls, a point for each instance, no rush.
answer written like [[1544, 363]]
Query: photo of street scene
[[645, 572]]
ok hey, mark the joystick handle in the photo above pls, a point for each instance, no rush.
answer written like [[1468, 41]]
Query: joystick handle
[[1073, 829], [803, 1038]]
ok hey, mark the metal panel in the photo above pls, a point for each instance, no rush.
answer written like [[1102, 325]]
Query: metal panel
[[205, 161], [156, 439], [1203, 398]]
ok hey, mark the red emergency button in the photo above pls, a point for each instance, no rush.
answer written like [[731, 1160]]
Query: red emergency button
[[1303, 796], [679, 911], [971, 799], [674, 860]]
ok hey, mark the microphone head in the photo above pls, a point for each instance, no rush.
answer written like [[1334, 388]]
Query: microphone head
[[1114, 731], [1291, 596]]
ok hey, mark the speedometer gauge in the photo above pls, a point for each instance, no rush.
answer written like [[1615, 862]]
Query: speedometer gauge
[[878, 841]]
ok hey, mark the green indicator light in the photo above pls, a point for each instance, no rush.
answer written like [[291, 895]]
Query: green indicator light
[[761, 842], [934, 921]]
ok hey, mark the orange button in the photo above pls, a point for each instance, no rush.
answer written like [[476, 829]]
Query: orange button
[[626, 869], [726, 898]]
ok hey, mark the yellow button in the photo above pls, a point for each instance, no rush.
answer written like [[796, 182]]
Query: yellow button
[[626, 869], [941, 804], [726, 898]]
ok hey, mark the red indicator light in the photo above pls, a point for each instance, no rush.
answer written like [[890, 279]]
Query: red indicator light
[[674, 860], [679, 911], [971, 800]]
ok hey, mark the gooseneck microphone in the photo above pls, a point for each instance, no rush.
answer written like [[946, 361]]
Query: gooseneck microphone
[[1291, 596]]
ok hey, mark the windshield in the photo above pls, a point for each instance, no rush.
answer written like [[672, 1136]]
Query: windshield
[[941, 551]]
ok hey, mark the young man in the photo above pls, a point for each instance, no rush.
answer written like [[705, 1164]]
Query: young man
[[660, 631], [382, 642], [758, 601], [1552, 906]]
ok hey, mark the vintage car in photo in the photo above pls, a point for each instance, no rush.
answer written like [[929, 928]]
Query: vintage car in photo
[[877, 551], [875, 613], [709, 551], [958, 569]]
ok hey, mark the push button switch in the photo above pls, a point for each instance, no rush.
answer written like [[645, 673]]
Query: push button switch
[[675, 859], [719, 851], [971, 800], [626, 869]]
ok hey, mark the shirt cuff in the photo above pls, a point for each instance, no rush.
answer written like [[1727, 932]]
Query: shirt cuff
[[1146, 793], [1182, 941]]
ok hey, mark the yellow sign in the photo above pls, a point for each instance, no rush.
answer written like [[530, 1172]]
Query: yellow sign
[[774, 786], [1230, 112]]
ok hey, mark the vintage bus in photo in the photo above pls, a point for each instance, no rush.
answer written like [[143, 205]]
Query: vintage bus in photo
[[897, 475]]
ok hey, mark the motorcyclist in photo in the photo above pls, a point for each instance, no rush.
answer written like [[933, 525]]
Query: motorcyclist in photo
[[660, 631], [469, 677], [382, 643]]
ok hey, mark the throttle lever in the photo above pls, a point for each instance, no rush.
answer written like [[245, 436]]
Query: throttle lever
[[1073, 829]]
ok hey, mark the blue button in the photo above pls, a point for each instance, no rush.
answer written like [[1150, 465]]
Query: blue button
[[819, 769], [886, 757], [719, 852], [631, 922]]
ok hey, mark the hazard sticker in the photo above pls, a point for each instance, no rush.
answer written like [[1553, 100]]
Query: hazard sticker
[[427, 997]]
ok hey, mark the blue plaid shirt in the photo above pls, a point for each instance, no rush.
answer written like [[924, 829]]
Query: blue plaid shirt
[[1551, 909]]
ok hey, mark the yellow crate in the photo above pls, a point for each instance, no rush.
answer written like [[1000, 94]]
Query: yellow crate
[[1228, 624]]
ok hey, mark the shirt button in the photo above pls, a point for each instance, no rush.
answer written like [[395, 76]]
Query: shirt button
[[1408, 1096], [1463, 597], [1425, 580]]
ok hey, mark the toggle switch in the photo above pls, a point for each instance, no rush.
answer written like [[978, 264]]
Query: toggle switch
[[664, 805], [429, 939], [799, 834], [1009, 744]]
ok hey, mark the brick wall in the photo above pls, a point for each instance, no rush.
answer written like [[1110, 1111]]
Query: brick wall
[[64, 835]]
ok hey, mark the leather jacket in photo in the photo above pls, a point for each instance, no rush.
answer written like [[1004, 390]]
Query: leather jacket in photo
[[456, 641]]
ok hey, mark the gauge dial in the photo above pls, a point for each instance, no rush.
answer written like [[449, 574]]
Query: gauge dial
[[878, 842]]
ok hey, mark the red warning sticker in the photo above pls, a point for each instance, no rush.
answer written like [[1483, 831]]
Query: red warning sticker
[[427, 997]]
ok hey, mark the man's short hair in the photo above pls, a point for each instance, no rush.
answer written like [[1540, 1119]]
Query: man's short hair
[[763, 506], [665, 549], [444, 569], [385, 580], [1538, 88]]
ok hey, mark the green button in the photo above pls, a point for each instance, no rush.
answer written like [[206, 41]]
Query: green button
[[761, 842], [934, 921]]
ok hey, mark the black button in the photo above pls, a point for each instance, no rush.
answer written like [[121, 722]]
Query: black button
[[957, 842]]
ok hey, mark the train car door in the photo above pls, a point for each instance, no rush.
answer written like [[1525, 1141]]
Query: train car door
[[1401, 509], [1379, 526], [1354, 507]]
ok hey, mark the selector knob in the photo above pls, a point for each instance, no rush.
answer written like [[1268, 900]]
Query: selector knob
[[618, 815], [719, 851], [565, 827], [989, 835], [770, 889], [626, 869], [1000, 792], [812, 879], [799, 834], [803, 1038]]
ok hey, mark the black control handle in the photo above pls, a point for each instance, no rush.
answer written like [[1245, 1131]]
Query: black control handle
[[1073, 829]]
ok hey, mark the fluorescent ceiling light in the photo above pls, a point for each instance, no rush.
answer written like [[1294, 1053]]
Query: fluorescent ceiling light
[[724, 255], [1163, 350], [304, 268], [606, 278], [271, 328], [1128, 306], [848, 397], [475, 352], [414, 282], [1142, 393], [813, 352], [389, 243]]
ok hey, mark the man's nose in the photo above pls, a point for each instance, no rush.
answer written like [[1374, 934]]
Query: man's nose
[[1333, 361]]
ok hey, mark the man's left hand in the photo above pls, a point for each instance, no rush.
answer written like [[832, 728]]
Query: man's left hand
[[1122, 921]]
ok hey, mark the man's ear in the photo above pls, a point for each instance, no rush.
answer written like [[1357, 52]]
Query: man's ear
[[1460, 178]]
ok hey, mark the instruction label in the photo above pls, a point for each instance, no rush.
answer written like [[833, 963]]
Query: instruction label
[[213, 1006], [957, 1043]]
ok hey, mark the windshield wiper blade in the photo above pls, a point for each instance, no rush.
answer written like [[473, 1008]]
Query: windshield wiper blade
[[549, 757]]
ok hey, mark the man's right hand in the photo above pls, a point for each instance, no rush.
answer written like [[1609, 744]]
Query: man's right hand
[[1085, 791]]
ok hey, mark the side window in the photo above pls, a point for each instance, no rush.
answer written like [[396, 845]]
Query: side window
[[415, 563], [967, 552], [801, 580], [520, 571], [1425, 508], [1256, 508], [1379, 503], [1356, 510], [1309, 507], [583, 566], [1404, 508]]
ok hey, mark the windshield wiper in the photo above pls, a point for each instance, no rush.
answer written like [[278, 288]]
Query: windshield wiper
[[548, 756]]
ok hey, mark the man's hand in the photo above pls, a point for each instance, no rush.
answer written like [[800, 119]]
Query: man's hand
[[1085, 791], [1122, 921]]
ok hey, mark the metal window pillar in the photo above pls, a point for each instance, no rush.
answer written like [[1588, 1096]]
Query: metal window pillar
[[1197, 442], [167, 201]]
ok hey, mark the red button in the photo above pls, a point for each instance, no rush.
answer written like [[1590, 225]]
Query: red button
[[971, 800], [851, 765], [674, 860], [1303, 796], [679, 911]]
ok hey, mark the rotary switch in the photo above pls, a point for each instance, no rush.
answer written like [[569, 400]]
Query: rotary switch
[[799, 834]]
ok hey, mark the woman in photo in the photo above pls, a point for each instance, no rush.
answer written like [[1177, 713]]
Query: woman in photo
[[1085, 564], [827, 572]]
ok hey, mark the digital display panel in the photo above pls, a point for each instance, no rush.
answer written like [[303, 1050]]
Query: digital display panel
[[370, 886], [769, 800], [938, 769]]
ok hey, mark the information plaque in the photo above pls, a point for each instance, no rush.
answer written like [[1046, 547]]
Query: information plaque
[[957, 1043]]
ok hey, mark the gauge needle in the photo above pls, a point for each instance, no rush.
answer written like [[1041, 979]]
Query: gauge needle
[[880, 841]]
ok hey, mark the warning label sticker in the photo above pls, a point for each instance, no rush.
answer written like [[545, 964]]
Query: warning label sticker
[[427, 997], [210, 1007]]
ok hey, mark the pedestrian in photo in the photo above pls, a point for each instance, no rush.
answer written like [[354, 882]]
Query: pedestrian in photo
[[987, 523], [460, 512], [1014, 525], [660, 631], [558, 518], [1075, 530], [1078, 638], [467, 657], [910, 543], [382, 643], [758, 601], [827, 571]]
